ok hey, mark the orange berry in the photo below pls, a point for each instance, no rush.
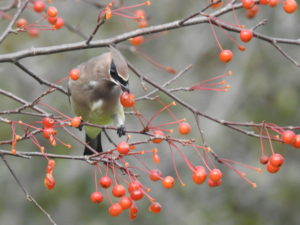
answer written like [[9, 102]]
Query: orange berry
[[184, 128], [76, 121], [136, 194], [246, 35], [199, 175], [215, 174], [48, 122], [137, 40], [125, 202], [212, 183], [134, 185], [52, 20], [140, 14], [251, 13], [123, 148], [96, 197], [49, 181], [115, 209], [59, 23], [272, 169], [168, 182], [216, 5], [288, 137], [21, 23], [264, 159], [155, 207], [248, 4], [118, 191], [225, 56], [133, 212], [74, 74], [143, 23], [264, 2], [52, 11], [276, 160], [273, 3], [157, 134], [105, 182], [38, 6], [127, 99], [33, 32], [296, 144], [155, 175], [290, 6]]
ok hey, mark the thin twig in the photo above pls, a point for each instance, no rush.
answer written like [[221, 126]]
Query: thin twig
[[28, 196]]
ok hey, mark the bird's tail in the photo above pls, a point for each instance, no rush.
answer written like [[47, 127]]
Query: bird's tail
[[95, 143]]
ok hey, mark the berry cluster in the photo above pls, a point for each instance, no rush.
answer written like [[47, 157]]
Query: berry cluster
[[50, 14]]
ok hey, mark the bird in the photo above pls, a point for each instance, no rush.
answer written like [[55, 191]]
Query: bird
[[95, 95]]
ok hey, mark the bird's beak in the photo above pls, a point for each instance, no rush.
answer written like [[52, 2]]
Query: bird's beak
[[125, 88]]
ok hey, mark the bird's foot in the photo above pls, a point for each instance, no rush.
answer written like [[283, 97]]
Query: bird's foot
[[121, 131]]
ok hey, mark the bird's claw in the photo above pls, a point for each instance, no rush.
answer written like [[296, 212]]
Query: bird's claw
[[121, 131]]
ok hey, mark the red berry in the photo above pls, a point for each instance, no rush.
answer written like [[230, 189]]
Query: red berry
[[168, 182], [137, 40], [123, 148], [158, 133], [52, 11], [276, 160], [49, 181], [48, 122], [76, 121], [115, 209], [59, 23], [251, 13], [140, 14], [118, 191], [216, 5], [199, 175], [264, 2], [272, 169], [155, 174], [273, 3], [212, 183], [248, 4], [296, 144], [21, 23], [143, 23], [264, 159], [136, 194], [134, 185], [133, 212], [105, 182], [288, 137], [125, 202], [246, 35], [48, 133], [38, 6], [155, 207], [215, 175], [155, 158], [290, 6], [33, 32], [225, 56], [96, 197], [127, 99], [52, 20], [74, 74], [184, 128], [50, 166]]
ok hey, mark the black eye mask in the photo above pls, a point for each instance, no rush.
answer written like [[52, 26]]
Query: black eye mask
[[114, 74]]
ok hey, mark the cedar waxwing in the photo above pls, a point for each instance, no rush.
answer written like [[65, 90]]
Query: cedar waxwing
[[95, 95]]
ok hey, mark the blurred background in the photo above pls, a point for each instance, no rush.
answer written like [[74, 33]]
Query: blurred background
[[264, 87]]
